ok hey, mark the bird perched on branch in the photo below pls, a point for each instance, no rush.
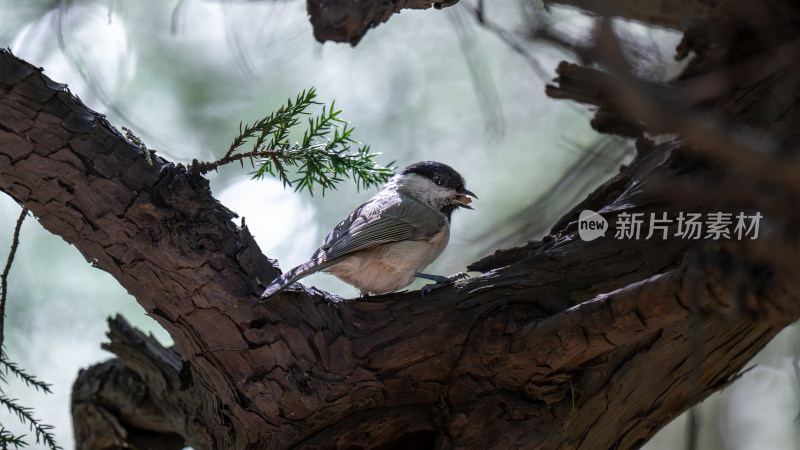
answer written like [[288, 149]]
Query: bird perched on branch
[[384, 243]]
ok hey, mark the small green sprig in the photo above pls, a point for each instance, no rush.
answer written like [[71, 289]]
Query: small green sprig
[[9, 439], [43, 433], [29, 380], [319, 158]]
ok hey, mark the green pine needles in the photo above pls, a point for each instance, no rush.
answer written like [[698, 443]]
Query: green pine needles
[[319, 158], [42, 432], [9, 440]]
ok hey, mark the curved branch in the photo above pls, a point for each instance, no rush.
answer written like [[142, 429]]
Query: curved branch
[[502, 359]]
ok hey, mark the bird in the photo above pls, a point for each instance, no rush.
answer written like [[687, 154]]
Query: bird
[[384, 244]]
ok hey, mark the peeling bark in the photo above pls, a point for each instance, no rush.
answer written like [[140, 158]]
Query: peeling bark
[[349, 20], [547, 349]]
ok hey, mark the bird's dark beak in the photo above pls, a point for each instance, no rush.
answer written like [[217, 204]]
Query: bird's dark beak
[[463, 198]]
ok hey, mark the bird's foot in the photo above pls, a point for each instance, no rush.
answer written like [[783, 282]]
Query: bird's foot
[[439, 281]]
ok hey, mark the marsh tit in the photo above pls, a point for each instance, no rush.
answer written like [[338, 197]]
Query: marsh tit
[[384, 243]]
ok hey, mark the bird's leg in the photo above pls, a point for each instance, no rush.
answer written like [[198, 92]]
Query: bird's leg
[[440, 281]]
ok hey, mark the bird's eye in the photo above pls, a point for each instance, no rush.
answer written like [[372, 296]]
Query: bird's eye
[[438, 180]]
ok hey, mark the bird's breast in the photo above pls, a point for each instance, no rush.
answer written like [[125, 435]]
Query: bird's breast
[[389, 267]]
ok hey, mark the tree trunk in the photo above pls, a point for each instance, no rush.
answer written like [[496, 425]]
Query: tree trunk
[[562, 343]]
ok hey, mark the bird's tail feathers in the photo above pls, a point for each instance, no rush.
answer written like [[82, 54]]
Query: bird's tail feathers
[[290, 276]]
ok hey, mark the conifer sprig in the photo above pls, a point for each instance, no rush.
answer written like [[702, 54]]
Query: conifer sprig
[[10, 367], [319, 158], [42, 432], [9, 440]]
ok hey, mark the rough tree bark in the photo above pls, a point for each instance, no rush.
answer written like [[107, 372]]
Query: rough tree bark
[[559, 344], [349, 20]]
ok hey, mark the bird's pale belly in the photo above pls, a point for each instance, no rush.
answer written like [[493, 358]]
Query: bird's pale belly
[[388, 267]]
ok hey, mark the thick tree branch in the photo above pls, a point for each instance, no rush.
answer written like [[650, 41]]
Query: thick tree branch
[[546, 349]]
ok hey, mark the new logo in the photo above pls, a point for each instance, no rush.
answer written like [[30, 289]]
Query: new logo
[[591, 225]]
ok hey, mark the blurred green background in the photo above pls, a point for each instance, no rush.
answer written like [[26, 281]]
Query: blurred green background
[[425, 85]]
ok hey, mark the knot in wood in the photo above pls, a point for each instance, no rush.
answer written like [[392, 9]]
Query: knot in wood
[[551, 390], [491, 339], [548, 393], [301, 382]]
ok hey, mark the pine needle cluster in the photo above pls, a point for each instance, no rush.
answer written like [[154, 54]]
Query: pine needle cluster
[[324, 156], [43, 433]]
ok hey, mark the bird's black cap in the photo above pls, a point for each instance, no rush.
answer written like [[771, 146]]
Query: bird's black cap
[[432, 169]]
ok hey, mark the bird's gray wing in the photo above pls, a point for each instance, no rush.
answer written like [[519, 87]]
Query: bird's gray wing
[[382, 221]]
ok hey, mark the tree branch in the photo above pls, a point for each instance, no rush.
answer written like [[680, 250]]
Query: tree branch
[[4, 276], [546, 349], [349, 21]]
